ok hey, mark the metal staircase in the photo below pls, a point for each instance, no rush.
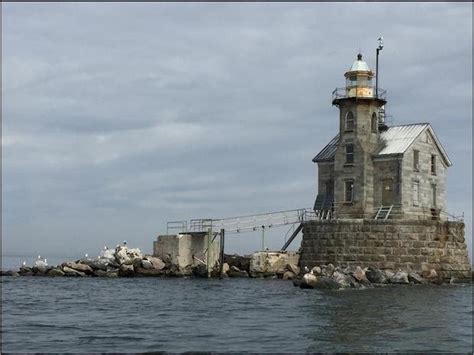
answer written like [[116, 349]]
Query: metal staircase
[[383, 212]]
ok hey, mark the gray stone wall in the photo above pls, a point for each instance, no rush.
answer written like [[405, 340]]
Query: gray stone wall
[[424, 178], [389, 244], [325, 174], [362, 170]]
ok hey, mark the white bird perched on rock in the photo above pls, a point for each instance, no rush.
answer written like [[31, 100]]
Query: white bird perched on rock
[[86, 255], [24, 263], [105, 247], [306, 269], [124, 242], [39, 257]]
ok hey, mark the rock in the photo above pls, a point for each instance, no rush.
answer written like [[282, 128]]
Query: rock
[[327, 270], [149, 272], [342, 279], [98, 264], [146, 264], [293, 268], [359, 275], [126, 270], [157, 263], [388, 274], [40, 270], [71, 272], [327, 283], [376, 276], [401, 277], [6, 273], [415, 278], [316, 270], [241, 262], [123, 255], [200, 270], [309, 281], [55, 272], [225, 268], [297, 281], [79, 267], [25, 271], [236, 272], [430, 274], [289, 275]]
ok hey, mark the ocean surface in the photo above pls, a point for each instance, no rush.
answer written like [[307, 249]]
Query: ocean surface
[[42, 314]]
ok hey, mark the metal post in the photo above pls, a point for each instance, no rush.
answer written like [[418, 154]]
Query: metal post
[[377, 74], [209, 234], [222, 253], [263, 238]]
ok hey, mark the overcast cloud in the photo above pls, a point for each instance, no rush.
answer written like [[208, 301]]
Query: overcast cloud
[[118, 118]]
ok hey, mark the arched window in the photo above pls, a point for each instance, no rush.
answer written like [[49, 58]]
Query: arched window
[[349, 122], [374, 122]]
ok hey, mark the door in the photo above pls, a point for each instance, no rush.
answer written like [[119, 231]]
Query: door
[[387, 192]]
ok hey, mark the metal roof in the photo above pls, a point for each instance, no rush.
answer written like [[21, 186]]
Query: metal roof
[[395, 140], [328, 152]]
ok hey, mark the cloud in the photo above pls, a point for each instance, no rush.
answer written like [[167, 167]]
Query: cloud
[[120, 117]]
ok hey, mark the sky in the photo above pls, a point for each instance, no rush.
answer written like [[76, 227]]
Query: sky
[[119, 117]]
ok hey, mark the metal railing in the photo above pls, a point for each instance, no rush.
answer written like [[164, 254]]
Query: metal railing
[[246, 223], [369, 91]]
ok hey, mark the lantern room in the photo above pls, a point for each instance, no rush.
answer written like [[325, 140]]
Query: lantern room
[[359, 79]]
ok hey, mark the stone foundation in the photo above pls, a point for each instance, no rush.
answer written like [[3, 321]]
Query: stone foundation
[[388, 244]]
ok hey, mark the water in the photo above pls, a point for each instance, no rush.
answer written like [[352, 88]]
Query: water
[[176, 315]]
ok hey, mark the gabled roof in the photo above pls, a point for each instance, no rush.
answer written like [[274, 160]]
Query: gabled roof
[[394, 141]]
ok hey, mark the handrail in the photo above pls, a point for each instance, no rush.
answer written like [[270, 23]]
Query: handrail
[[347, 92]]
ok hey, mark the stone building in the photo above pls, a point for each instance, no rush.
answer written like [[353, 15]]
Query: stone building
[[381, 197], [369, 169]]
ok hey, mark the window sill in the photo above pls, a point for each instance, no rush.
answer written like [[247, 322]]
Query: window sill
[[348, 203], [348, 165]]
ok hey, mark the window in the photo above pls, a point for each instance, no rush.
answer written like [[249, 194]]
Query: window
[[433, 164], [433, 195], [416, 189], [374, 122], [349, 121], [350, 153], [349, 191], [416, 160]]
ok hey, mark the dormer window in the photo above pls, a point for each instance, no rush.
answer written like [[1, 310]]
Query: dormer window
[[349, 121], [374, 123]]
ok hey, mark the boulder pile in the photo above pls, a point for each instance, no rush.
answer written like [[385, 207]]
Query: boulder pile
[[331, 277], [119, 262]]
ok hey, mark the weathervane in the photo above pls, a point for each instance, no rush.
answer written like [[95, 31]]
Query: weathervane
[[379, 48]]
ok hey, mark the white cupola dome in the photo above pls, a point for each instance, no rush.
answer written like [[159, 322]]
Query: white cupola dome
[[359, 64]]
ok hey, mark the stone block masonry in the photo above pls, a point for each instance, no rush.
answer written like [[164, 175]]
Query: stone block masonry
[[416, 245]]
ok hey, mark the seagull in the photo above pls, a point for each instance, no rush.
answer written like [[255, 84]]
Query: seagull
[[105, 247], [86, 255], [39, 257], [24, 263], [124, 242], [306, 269]]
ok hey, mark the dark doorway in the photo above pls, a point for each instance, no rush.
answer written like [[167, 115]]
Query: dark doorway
[[387, 192]]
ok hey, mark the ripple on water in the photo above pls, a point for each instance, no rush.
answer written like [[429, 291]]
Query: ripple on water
[[107, 315]]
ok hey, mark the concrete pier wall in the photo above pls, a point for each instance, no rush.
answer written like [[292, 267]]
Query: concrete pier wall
[[184, 250], [388, 244]]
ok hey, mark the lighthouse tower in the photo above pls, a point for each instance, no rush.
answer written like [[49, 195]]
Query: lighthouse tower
[[360, 124]]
